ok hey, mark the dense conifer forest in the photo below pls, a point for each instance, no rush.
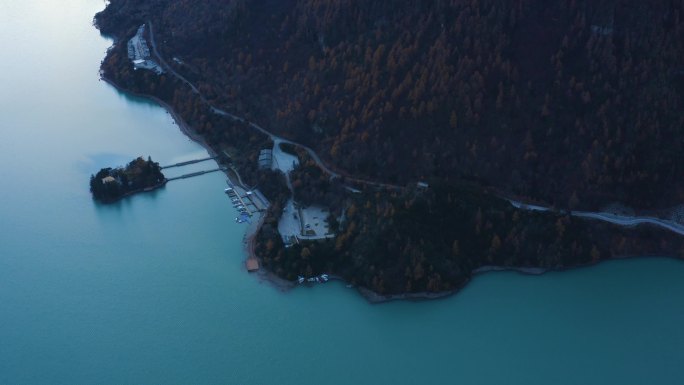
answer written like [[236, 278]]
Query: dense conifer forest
[[578, 103], [574, 104]]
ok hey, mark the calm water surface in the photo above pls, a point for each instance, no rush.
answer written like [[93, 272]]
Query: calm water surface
[[153, 289]]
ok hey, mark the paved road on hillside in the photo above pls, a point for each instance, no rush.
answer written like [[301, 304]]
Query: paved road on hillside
[[622, 220]]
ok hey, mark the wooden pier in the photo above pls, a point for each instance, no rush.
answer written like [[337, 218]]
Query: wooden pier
[[241, 196]]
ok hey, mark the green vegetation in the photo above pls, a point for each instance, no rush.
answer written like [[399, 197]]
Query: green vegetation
[[111, 184]]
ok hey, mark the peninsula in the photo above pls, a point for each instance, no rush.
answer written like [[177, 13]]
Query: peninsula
[[430, 141], [111, 184]]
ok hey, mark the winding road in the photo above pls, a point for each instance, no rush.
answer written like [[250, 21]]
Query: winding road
[[621, 220], [632, 221], [275, 138], [167, 67]]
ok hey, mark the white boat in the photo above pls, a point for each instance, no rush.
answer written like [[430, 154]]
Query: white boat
[[300, 279]]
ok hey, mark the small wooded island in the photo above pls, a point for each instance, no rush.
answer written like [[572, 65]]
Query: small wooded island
[[111, 184]]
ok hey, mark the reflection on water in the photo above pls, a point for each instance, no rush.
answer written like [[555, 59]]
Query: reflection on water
[[153, 288], [126, 202], [138, 101]]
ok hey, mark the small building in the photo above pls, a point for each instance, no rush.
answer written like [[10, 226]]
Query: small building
[[265, 159], [108, 179], [601, 30], [422, 186], [252, 264]]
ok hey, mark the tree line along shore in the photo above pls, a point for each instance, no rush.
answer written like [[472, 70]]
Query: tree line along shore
[[427, 238]]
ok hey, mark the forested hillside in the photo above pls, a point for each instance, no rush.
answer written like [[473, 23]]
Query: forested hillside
[[574, 103]]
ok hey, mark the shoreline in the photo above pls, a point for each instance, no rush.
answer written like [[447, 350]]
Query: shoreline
[[187, 130], [249, 236], [182, 125], [285, 285], [251, 231], [376, 298]]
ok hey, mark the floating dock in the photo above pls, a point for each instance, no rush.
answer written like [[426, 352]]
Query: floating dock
[[252, 200]]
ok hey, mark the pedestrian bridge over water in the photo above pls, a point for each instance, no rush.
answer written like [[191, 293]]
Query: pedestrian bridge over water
[[180, 164]]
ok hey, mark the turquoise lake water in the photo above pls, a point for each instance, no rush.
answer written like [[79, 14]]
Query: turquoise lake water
[[153, 289]]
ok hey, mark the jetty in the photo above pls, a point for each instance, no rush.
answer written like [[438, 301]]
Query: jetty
[[180, 164], [192, 174]]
